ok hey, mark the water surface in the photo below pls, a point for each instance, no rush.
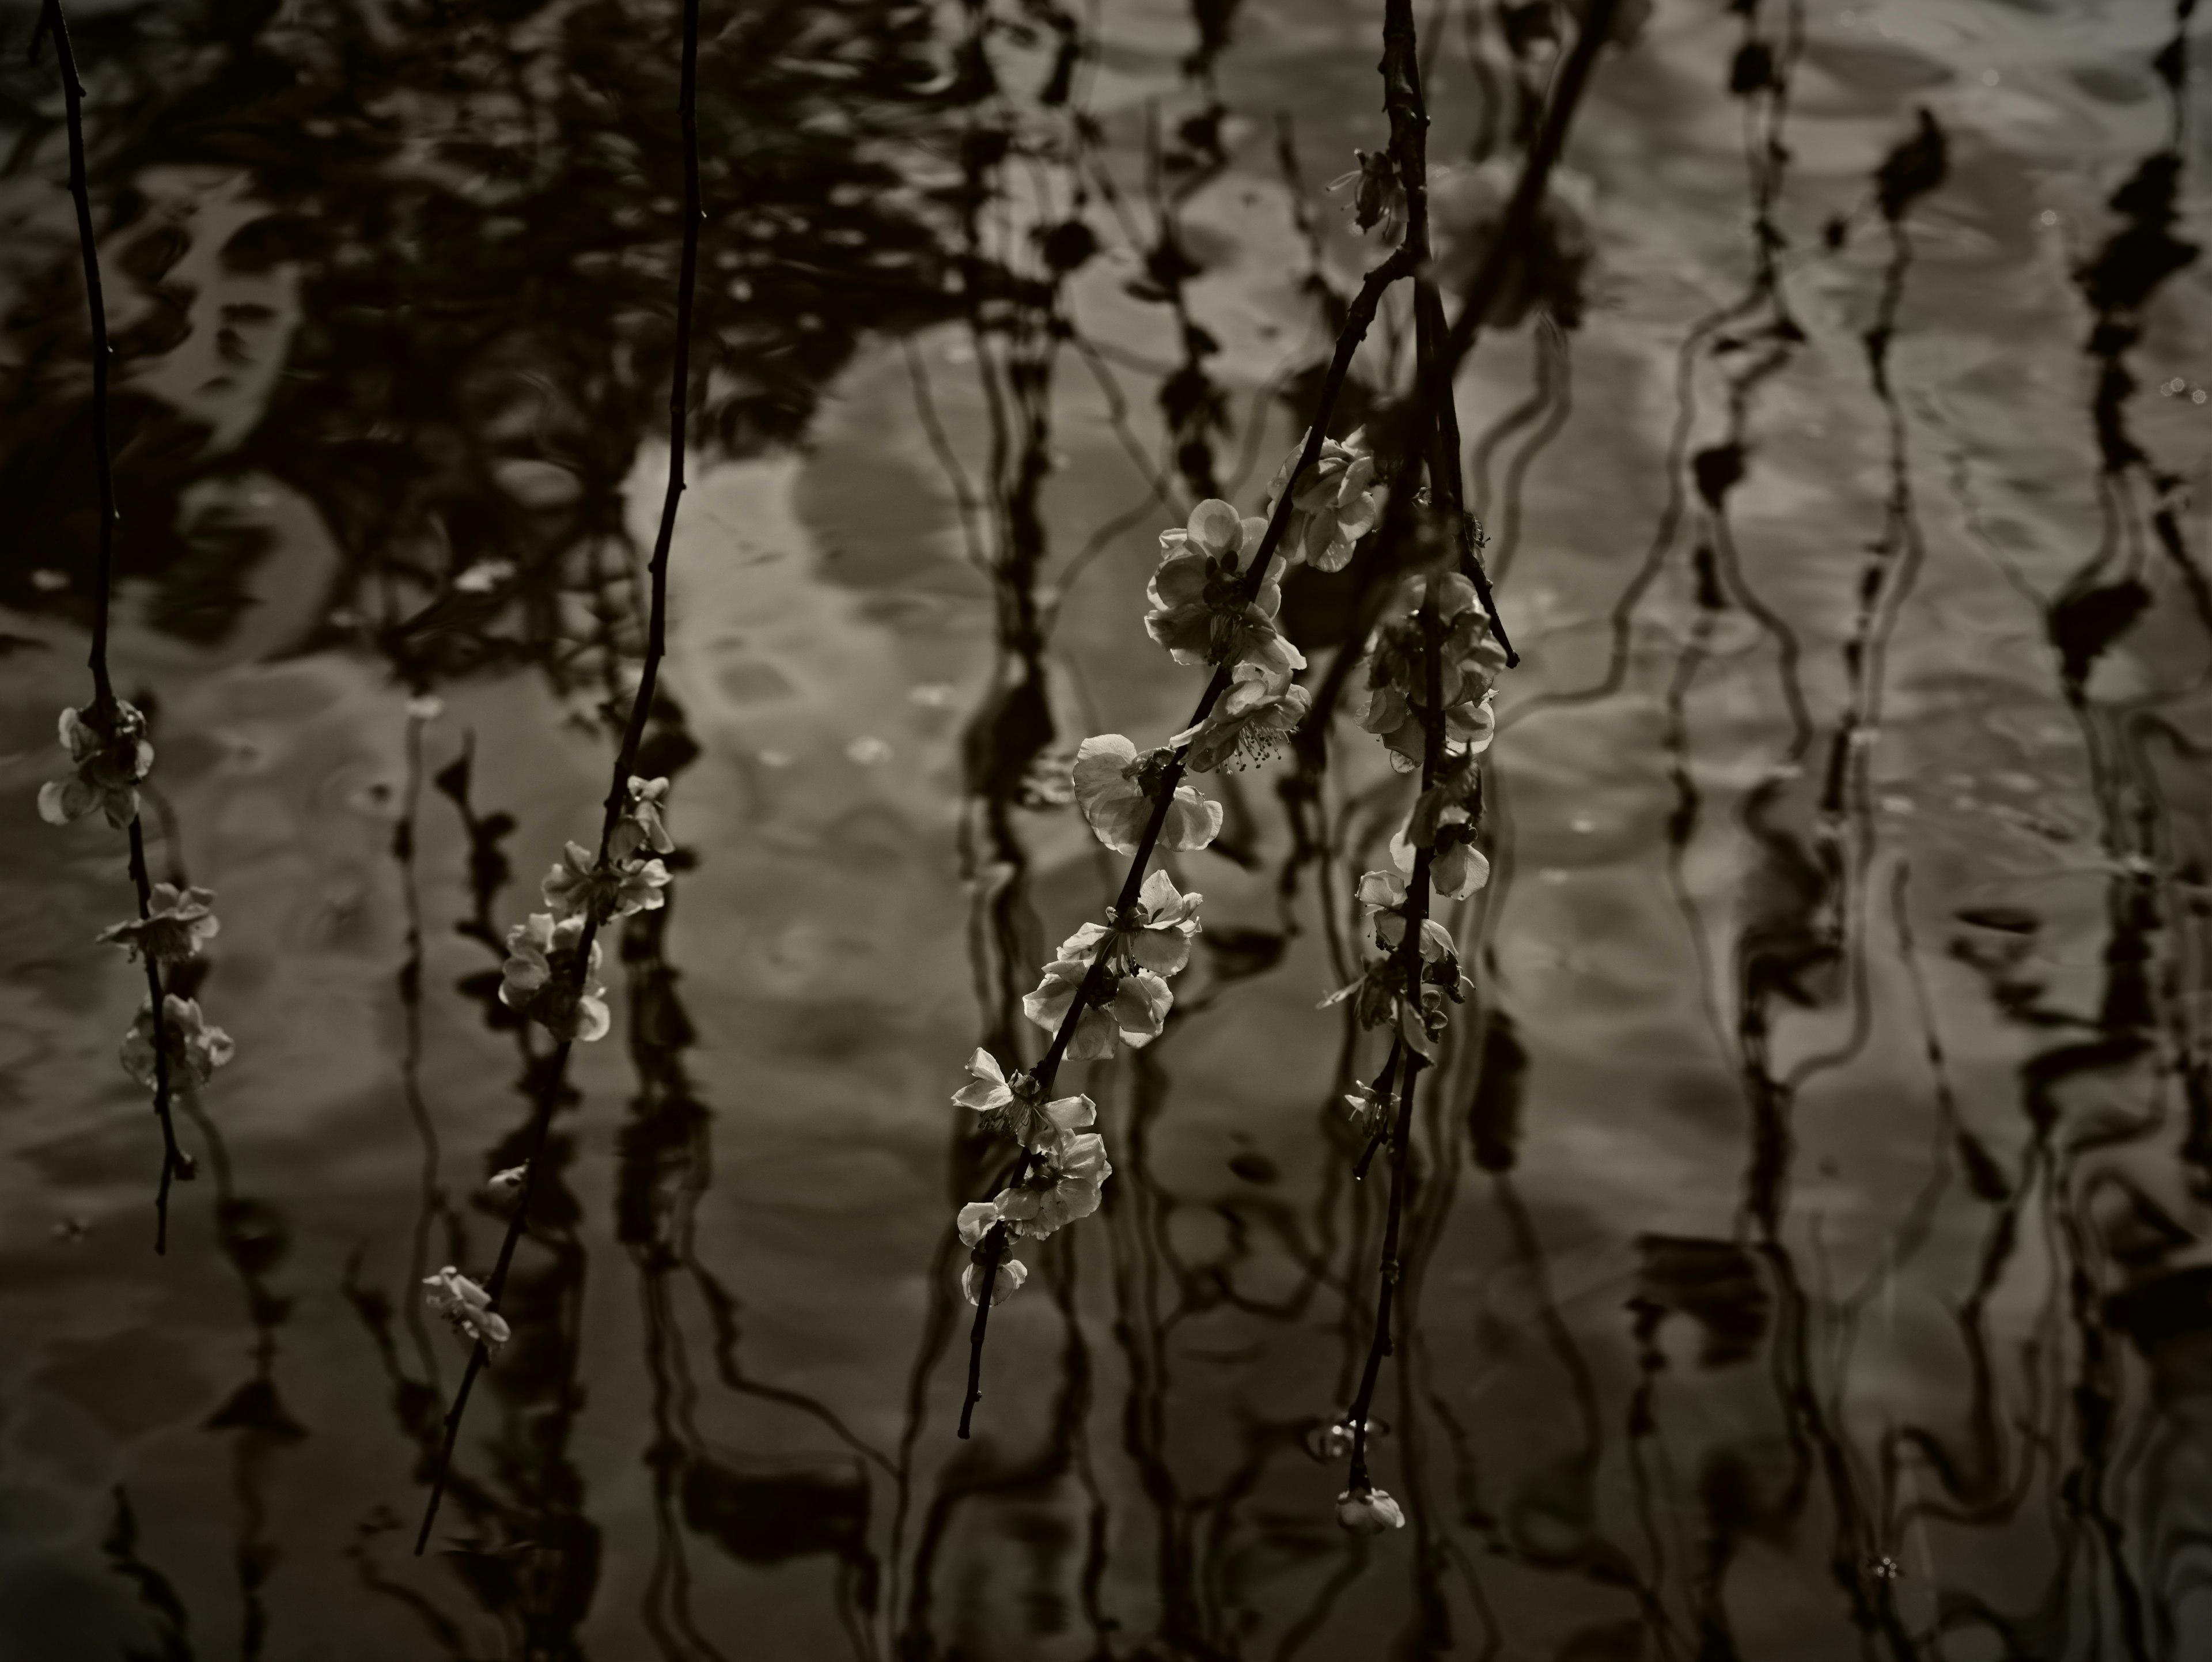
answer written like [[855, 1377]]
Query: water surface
[[1805, 1252]]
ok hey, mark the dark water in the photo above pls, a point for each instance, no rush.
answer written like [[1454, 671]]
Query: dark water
[[1807, 1254]]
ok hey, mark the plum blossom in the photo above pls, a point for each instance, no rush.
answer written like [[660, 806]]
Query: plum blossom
[[110, 755], [1249, 722], [1369, 1511], [1382, 897], [1456, 867], [1012, 1274], [642, 825], [1383, 994], [1061, 1187], [195, 1049], [1200, 614], [1116, 786], [1166, 920], [178, 923], [1012, 1105], [1397, 702], [577, 885], [540, 979], [1131, 1006], [1335, 504], [509, 1182], [467, 1307], [1379, 197], [1368, 1108]]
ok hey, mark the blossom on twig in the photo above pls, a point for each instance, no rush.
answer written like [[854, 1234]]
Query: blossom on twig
[[1379, 198], [1012, 1105], [178, 923], [110, 755], [577, 885], [1012, 1272], [642, 825], [1200, 611], [1248, 723], [1335, 503], [1062, 1185], [1369, 1511], [195, 1049], [467, 1307], [1116, 786], [540, 980]]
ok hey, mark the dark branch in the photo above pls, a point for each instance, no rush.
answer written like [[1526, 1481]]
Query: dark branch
[[679, 404]]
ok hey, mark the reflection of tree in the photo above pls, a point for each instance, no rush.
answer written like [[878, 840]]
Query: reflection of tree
[[457, 203]]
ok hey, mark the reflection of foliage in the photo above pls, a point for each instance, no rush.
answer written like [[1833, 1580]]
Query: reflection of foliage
[[466, 207]]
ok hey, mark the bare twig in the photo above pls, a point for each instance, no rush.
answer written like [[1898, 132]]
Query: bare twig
[[556, 1069]]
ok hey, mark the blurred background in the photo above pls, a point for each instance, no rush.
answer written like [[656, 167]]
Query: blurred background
[[1805, 1251]]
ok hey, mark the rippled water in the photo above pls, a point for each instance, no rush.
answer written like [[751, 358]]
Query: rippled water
[[1806, 1255]]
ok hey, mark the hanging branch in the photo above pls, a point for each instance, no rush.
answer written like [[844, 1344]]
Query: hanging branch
[[107, 741], [1401, 96], [482, 1319], [1448, 814], [992, 1246]]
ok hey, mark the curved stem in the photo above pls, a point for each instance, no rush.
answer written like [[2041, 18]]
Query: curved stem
[[556, 1069]]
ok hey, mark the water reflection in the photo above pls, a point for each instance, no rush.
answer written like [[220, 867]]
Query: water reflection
[[1804, 1257]]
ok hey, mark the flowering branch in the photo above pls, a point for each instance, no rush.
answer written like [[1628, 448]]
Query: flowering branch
[[548, 974], [1204, 616], [1430, 699], [106, 742]]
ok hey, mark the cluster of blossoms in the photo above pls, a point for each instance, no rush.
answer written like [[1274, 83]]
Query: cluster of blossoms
[[466, 1308], [1059, 1178], [1468, 659], [1445, 821], [110, 756], [542, 978], [1210, 605], [1202, 616], [1130, 998], [196, 1049]]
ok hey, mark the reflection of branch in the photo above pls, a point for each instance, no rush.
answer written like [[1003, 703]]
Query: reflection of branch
[[641, 710]]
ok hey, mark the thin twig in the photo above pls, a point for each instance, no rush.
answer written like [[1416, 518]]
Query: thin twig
[[1399, 263], [641, 710], [175, 1164]]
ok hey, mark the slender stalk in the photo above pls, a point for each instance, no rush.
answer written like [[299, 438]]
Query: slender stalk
[[556, 1069], [1438, 354], [174, 1163], [50, 21], [1409, 968], [1402, 262]]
